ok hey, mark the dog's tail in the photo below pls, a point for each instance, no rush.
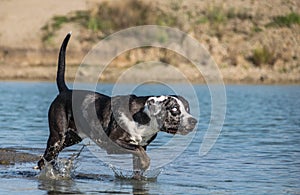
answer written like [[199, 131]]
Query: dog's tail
[[60, 77]]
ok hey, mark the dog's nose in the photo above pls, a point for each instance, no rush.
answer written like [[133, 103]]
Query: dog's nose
[[192, 121]]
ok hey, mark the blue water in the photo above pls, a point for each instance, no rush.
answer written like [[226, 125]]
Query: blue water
[[257, 152]]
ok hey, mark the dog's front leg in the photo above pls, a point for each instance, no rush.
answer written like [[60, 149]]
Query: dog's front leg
[[141, 162], [136, 167]]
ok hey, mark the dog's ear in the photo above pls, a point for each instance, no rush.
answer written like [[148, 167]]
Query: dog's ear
[[153, 105]]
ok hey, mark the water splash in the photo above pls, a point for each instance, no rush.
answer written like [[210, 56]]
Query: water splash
[[148, 175], [62, 169]]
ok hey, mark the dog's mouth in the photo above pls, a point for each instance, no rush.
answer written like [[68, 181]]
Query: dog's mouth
[[186, 130], [181, 131], [171, 131]]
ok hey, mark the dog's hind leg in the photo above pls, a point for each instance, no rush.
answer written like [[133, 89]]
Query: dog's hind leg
[[71, 138], [58, 124]]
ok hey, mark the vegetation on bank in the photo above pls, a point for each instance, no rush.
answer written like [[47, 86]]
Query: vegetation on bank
[[219, 26], [285, 20]]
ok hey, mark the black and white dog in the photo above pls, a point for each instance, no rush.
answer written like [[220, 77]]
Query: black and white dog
[[120, 124]]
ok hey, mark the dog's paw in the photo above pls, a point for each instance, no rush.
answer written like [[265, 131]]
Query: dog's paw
[[137, 175], [40, 164]]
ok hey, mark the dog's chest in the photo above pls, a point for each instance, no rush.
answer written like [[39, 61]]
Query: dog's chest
[[139, 134], [145, 133]]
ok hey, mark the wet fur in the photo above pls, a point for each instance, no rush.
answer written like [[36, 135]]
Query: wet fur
[[120, 124]]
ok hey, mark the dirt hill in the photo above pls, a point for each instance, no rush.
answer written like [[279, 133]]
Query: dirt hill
[[251, 41]]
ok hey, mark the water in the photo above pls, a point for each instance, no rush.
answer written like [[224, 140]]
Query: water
[[257, 152]]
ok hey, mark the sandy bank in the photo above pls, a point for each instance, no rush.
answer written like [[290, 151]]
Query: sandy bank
[[241, 31]]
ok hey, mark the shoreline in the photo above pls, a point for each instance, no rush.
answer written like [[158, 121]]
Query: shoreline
[[226, 83], [10, 156], [41, 65], [234, 75]]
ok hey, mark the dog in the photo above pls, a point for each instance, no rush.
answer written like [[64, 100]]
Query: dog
[[119, 124]]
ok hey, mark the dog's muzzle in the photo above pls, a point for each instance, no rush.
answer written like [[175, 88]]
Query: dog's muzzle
[[189, 127], [184, 128]]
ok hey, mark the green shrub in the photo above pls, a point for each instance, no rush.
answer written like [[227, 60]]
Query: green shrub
[[58, 21], [256, 29], [216, 15], [288, 20], [110, 18], [262, 55], [50, 28]]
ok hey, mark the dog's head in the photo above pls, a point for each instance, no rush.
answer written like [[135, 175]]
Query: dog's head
[[172, 114]]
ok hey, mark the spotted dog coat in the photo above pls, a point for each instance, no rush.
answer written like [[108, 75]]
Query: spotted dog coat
[[119, 124]]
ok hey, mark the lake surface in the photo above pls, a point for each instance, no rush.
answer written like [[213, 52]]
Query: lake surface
[[257, 152]]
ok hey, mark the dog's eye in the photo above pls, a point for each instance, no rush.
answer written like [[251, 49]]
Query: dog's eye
[[174, 109]]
